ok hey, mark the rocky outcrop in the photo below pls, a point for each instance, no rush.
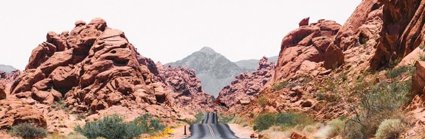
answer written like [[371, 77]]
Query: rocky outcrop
[[246, 86], [307, 61], [361, 29], [5, 80], [91, 68], [303, 50], [184, 82], [95, 68], [14, 111], [402, 31], [418, 81]]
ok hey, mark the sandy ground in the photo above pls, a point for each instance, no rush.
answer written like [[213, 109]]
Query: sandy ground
[[178, 133]]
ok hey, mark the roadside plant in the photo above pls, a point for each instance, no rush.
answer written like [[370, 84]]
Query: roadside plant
[[114, 127], [28, 131], [390, 129]]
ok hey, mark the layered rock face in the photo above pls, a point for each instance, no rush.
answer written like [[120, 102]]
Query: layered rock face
[[247, 86]]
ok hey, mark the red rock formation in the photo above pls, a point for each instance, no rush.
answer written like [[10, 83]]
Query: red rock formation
[[304, 22], [5, 80], [307, 57], [95, 68], [362, 28], [418, 82], [15, 111], [303, 50], [189, 94], [247, 86], [402, 30]]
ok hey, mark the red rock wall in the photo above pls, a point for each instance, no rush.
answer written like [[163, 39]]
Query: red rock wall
[[402, 30]]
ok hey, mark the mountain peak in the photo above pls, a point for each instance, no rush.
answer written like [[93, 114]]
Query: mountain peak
[[207, 49]]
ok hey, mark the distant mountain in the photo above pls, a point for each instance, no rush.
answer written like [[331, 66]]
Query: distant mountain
[[6, 68], [252, 64], [213, 69]]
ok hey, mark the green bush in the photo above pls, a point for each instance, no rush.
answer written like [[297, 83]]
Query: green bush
[[28, 131], [264, 121], [147, 124], [287, 119], [390, 129], [113, 127]]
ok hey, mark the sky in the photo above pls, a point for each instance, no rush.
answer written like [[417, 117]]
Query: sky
[[167, 30]]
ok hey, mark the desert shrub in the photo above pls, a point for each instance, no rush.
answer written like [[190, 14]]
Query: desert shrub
[[199, 116], [286, 119], [147, 124], [291, 119], [395, 72], [113, 127], [337, 125], [28, 131], [379, 102], [225, 118], [390, 129], [353, 130], [264, 121], [280, 85]]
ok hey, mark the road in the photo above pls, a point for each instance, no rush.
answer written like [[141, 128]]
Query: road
[[209, 128]]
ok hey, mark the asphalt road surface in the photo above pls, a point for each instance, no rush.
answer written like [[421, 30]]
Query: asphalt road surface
[[209, 128]]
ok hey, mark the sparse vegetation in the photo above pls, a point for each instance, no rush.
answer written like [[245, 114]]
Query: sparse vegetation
[[265, 121], [395, 72], [225, 118], [113, 127], [198, 117], [28, 131], [280, 86], [390, 129], [378, 102]]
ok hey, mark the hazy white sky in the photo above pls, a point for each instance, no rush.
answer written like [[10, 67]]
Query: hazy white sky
[[167, 30]]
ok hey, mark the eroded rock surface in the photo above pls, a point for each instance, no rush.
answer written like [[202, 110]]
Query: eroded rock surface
[[94, 71], [247, 86], [303, 50]]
